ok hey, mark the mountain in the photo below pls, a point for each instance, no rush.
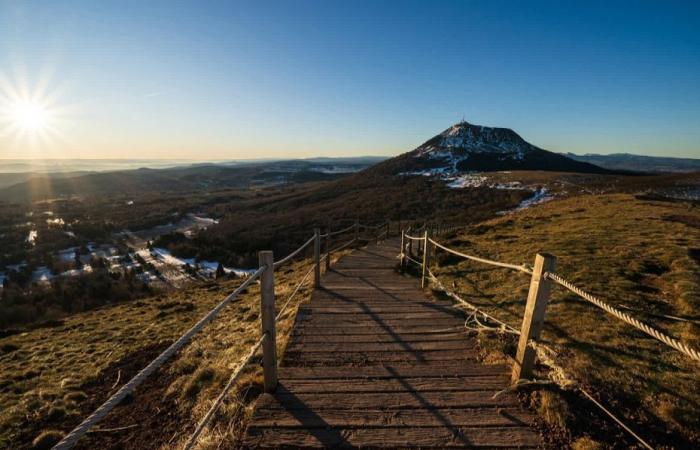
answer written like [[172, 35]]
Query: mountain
[[627, 161], [468, 147]]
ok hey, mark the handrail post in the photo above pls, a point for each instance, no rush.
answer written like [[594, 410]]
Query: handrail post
[[267, 319], [533, 319], [426, 257], [328, 249], [410, 244], [403, 250], [317, 257]]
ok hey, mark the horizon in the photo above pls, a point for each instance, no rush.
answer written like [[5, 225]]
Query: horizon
[[81, 81]]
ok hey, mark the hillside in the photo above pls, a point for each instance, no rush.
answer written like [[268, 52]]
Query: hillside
[[638, 254], [639, 163], [467, 147], [55, 376]]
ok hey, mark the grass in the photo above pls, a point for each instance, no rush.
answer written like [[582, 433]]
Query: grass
[[47, 372], [635, 254]]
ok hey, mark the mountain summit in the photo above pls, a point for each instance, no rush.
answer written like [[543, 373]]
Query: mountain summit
[[467, 147]]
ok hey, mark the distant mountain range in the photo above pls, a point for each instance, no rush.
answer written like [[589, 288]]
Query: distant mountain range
[[467, 147], [639, 163], [29, 186]]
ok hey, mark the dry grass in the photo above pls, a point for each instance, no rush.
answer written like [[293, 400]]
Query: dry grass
[[44, 370], [633, 253]]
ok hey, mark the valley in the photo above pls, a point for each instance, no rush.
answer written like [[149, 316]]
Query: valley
[[100, 275]]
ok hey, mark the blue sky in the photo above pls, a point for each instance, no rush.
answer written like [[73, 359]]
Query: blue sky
[[310, 78]]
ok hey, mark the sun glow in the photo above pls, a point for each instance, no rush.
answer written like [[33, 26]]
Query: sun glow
[[30, 116]]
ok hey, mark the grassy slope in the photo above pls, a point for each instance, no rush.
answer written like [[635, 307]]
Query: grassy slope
[[52, 378], [630, 252]]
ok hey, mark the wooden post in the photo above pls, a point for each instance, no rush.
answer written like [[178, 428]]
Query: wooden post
[[426, 258], [328, 249], [317, 257], [267, 319], [410, 244], [533, 319], [403, 250]]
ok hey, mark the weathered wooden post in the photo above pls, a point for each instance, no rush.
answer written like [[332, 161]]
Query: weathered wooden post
[[533, 319], [426, 257], [317, 257], [410, 244], [267, 319], [328, 248]]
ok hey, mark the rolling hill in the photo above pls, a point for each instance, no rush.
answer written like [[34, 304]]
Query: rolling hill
[[642, 163]]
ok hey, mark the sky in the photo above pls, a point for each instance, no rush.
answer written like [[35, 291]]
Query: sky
[[259, 79]]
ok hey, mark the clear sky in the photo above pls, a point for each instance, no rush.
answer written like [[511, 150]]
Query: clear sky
[[218, 80]]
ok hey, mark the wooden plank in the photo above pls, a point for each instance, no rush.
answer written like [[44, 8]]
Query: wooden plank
[[379, 357], [452, 384], [381, 346], [399, 437], [425, 315], [474, 417], [379, 322], [308, 339], [466, 369], [386, 400], [375, 328]]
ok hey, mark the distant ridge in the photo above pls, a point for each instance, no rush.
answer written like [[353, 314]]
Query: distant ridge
[[467, 147], [642, 163]]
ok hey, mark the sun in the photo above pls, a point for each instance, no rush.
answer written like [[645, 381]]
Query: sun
[[30, 116]]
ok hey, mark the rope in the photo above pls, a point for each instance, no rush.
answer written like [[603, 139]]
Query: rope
[[414, 238], [653, 332], [217, 403], [612, 416], [556, 374], [412, 260], [522, 268], [72, 438], [282, 261], [344, 230], [459, 299], [296, 289]]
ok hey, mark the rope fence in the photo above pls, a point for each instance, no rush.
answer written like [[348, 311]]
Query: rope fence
[[638, 324], [534, 316], [265, 271], [72, 438]]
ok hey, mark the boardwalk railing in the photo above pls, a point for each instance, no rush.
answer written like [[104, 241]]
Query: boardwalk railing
[[268, 320], [542, 278]]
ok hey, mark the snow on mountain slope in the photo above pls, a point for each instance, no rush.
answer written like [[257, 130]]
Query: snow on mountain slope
[[465, 147]]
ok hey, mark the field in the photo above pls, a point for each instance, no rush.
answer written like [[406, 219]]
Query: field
[[637, 254], [54, 377]]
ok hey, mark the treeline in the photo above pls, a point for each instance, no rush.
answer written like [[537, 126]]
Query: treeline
[[23, 302], [281, 221]]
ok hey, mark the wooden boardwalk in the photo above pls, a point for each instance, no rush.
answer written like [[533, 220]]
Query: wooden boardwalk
[[373, 363]]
